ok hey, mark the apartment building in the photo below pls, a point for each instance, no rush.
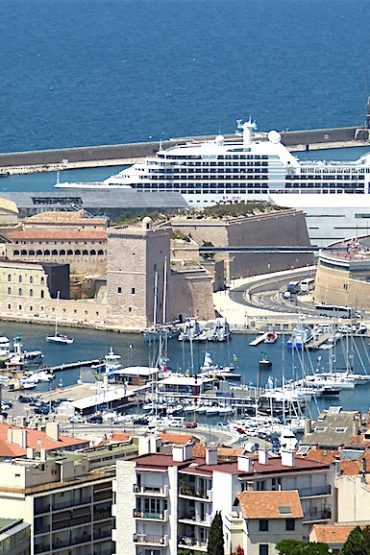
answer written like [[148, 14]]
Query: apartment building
[[66, 501], [166, 502], [263, 519]]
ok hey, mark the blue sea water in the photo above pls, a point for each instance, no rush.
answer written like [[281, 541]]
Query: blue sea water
[[78, 72]]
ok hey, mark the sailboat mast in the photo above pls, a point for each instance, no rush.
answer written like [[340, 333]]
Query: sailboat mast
[[164, 319], [155, 299], [56, 315]]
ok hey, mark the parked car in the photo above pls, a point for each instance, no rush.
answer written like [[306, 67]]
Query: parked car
[[95, 419], [140, 422], [24, 399], [43, 409], [77, 419], [191, 425]]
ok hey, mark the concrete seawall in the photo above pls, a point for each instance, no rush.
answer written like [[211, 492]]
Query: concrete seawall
[[93, 156]]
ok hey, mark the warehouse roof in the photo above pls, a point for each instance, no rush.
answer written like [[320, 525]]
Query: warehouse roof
[[86, 199]]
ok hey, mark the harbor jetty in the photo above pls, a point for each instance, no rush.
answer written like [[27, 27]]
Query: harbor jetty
[[120, 154]]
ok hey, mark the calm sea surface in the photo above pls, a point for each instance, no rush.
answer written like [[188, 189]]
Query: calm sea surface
[[78, 72]]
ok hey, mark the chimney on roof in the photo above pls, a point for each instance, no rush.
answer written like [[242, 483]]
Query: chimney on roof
[[30, 453], [288, 457], [211, 455], [18, 436], [182, 453], [52, 430], [21, 421], [307, 426], [263, 456], [43, 454], [244, 463]]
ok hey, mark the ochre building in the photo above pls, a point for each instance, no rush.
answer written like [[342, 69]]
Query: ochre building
[[343, 275]]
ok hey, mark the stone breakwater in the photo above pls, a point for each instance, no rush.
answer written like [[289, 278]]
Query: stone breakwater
[[121, 154]]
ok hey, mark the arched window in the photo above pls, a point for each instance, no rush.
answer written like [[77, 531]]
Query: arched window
[[20, 292], [77, 252], [19, 279], [100, 253], [32, 253], [70, 252], [23, 253], [31, 292], [54, 252], [39, 253], [42, 293], [47, 253], [93, 253], [31, 279], [85, 252], [16, 253], [9, 277], [62, 252], [9, 290]]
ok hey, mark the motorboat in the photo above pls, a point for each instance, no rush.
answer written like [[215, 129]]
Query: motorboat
[[301, 335], [210, 411], [221, 330], [4, 347], [264, 363], [161, 331], [191, 330], [271, 337], [19, 358], [225, 411]]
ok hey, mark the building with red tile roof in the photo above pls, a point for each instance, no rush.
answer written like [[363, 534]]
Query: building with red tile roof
[[196, 485], [270, 504], [14, 440], [335, 535]]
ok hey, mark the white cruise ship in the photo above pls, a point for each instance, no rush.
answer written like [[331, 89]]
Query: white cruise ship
[[244, 168]]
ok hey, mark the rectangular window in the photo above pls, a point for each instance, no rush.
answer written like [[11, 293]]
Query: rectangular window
[[263, 549], [119, 290], [264, 525], [132, 290], [290, 524]]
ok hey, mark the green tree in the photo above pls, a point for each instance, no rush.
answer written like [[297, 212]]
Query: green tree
[[216, 536], [295, 547], [356, 543]]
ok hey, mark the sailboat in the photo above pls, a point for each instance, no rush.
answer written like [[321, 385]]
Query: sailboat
[[60, 338], [165, 330]]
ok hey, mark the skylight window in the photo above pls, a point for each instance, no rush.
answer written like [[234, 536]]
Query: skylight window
[[284, 510]]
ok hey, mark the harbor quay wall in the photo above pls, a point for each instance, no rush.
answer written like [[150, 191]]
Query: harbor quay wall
[[120, 152], [70, 313]]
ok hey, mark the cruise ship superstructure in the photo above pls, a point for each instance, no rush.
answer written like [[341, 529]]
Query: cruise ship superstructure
[[243, 168]]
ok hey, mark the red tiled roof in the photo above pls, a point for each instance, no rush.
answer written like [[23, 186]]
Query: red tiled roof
[[53, 234], [172, 438], [197, 465], [270, 504], [331, 533], [36, 439], [322, 455]]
